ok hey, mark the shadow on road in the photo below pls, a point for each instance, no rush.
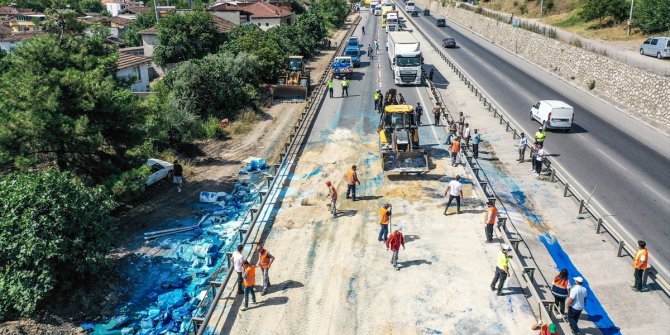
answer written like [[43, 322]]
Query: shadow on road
[[406, 264], [287, 284]]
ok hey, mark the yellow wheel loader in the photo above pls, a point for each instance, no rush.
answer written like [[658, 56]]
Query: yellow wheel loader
[[293, 83]]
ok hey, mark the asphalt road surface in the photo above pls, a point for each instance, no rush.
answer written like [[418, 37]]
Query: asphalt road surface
[[627, 160]]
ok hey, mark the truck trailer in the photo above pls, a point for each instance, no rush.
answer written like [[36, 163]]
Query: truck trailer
[[405, 58]]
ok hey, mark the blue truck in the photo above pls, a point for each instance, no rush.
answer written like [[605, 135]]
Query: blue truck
[[355, 53], [343, 67]]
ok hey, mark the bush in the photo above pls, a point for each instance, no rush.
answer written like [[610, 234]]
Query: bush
[[523, 8], [615, 10], [129, 185], [653, 16], [591, 84], [576, 42], [244, 123], [55, 235], [213, 130]]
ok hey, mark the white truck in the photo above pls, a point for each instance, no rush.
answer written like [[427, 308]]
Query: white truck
[[409, 7], [405, 57], [392, 21]]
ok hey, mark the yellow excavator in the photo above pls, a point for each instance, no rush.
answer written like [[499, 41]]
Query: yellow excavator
[[399, 138], [293, 83]]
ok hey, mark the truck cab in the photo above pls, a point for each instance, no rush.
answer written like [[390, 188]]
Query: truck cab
[[373, 5], [392, 22], [342, 67], [409, 6], [354, 42], [377, 10], [355, 53]]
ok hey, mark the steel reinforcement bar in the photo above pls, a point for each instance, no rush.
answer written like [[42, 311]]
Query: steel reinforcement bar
[[267, 196]]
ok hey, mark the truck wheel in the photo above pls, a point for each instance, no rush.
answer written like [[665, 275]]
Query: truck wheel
[[545, 126], [658, 55]]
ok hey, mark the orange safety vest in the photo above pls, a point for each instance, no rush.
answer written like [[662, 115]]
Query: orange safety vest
[[384, 217], [638, 263], [264, 260], [455, 146], [491, 215], [250, 280], [351, 176]]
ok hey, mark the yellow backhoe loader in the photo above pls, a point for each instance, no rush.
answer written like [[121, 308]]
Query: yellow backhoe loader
[[293, 83]]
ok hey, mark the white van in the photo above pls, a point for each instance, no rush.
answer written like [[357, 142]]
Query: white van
[[553, 114], [373, 4], [409, 6], [378, 10], [658, 47]]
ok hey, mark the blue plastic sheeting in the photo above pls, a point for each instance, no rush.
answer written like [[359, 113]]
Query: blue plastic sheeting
[[162, 288]]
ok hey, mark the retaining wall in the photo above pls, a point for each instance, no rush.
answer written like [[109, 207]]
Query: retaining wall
[[643, 94]]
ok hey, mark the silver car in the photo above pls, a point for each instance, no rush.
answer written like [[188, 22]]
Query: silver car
[[658, 47]]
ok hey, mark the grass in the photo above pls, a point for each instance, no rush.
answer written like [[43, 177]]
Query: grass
[[243, 123]]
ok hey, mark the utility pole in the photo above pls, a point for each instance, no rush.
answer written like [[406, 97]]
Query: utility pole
[[156, 11], [630, 17]]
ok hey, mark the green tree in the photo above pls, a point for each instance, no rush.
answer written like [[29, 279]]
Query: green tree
[[91, 6], [62, 106], [132, 36], [333, 12], [184, 37], [310, 30], [614, 10], [54, 234], [653, 16], [271, 57]]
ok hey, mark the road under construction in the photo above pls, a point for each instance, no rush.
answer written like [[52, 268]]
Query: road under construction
[[332, 275]]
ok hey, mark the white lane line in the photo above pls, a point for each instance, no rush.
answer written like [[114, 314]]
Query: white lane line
[[432, 127], [658, 194], [612, 159]]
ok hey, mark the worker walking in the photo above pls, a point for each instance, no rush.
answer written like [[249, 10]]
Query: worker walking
[[476, 138], [401, 99], [576, 303], [238, 266], [249, 282], [502, 268], [363, 29], [178, 175], [352, 180], [332, 194], [640, 263], [436, 112], [540, 135], [265, 260], [370, 52], [330, 87], [560, 289], [523, 142], [490, 220], [418, 110], [455, 149], [455, 191], [378, 99], [384, 221], [345, 87], [394, 242]]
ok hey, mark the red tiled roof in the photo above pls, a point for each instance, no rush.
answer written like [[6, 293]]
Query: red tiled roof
[[264, 9], [128, 60], [149, 31], [226, 7], [120, 21], [221, 25], [18, 37]]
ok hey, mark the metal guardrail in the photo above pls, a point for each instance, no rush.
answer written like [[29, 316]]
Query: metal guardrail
[[279, 172], [625, 246]]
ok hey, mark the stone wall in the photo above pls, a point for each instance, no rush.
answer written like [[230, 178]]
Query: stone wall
[[644, 94]]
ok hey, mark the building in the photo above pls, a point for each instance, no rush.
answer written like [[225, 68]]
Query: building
[[135, 69], [267, 15], [114, 7], [11, 40], [116, 25], [20, 20], [131, 13], [231, 13], [149, 41]]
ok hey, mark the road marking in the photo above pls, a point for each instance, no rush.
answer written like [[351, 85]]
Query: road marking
[[611, 159], [658, 194]]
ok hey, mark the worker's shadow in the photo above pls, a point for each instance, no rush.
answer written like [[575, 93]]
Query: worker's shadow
[[346, 212], [406, 264], [285, 285], [368, 197], [411, 238], [269, 302]]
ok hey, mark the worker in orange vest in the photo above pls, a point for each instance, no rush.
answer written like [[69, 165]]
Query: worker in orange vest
[[384, 221], [640, 263], [352, 179], [455, 149], [332, 194], [265, 260], [546, 329], [561, 289], [249, 277], [394, 242], [490, 220]]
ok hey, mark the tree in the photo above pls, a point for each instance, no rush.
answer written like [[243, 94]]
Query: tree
[[132, 36], [333, 12], [54, 234], [310, 31], [91, 6], [602, 9], [271, 56], [184, 37], [62, 106], [653, 16]]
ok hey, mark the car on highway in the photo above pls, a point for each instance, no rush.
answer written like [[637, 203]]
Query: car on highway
[[415, 13], [160, 170], [553, 114], [658, 47], [449, 42], [441, 23]]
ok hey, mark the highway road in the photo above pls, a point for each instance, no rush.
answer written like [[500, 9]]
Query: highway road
[[627, 160]]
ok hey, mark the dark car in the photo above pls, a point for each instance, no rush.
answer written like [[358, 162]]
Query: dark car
[[449, 42], [441, 22], [415, 13]]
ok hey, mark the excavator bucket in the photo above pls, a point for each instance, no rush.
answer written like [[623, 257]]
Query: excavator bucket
[[289, 92], [415, 161], [293, 83]]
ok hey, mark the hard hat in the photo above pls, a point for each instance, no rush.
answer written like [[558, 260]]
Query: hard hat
[[540, 128], [552, 328], [505, 248], [578, 279]]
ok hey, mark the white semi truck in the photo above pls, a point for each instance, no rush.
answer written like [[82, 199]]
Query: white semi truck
[[405, 57]]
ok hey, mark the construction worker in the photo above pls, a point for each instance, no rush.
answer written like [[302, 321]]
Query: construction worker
[[502, 268], [352, 180], [540, 135], [370, 55], [418, 110], [249, 282], [640, 263], [455, 191], [401, 99], [546, 329], [332, 194], [378, 100], [560, 289], [238, 261], [330, 87], [576, 303], [265, 260], [394, 242], [345, 87], [490, 220], [384, 221], [455, 150], [363, 27], [436, 112]]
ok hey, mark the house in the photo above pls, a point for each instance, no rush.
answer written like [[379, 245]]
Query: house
[[267, 15], [21, 20], [116, 25], [131, 13], [135, 69], [114, 7], [11, 40], [231, 13], [149, 41]]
